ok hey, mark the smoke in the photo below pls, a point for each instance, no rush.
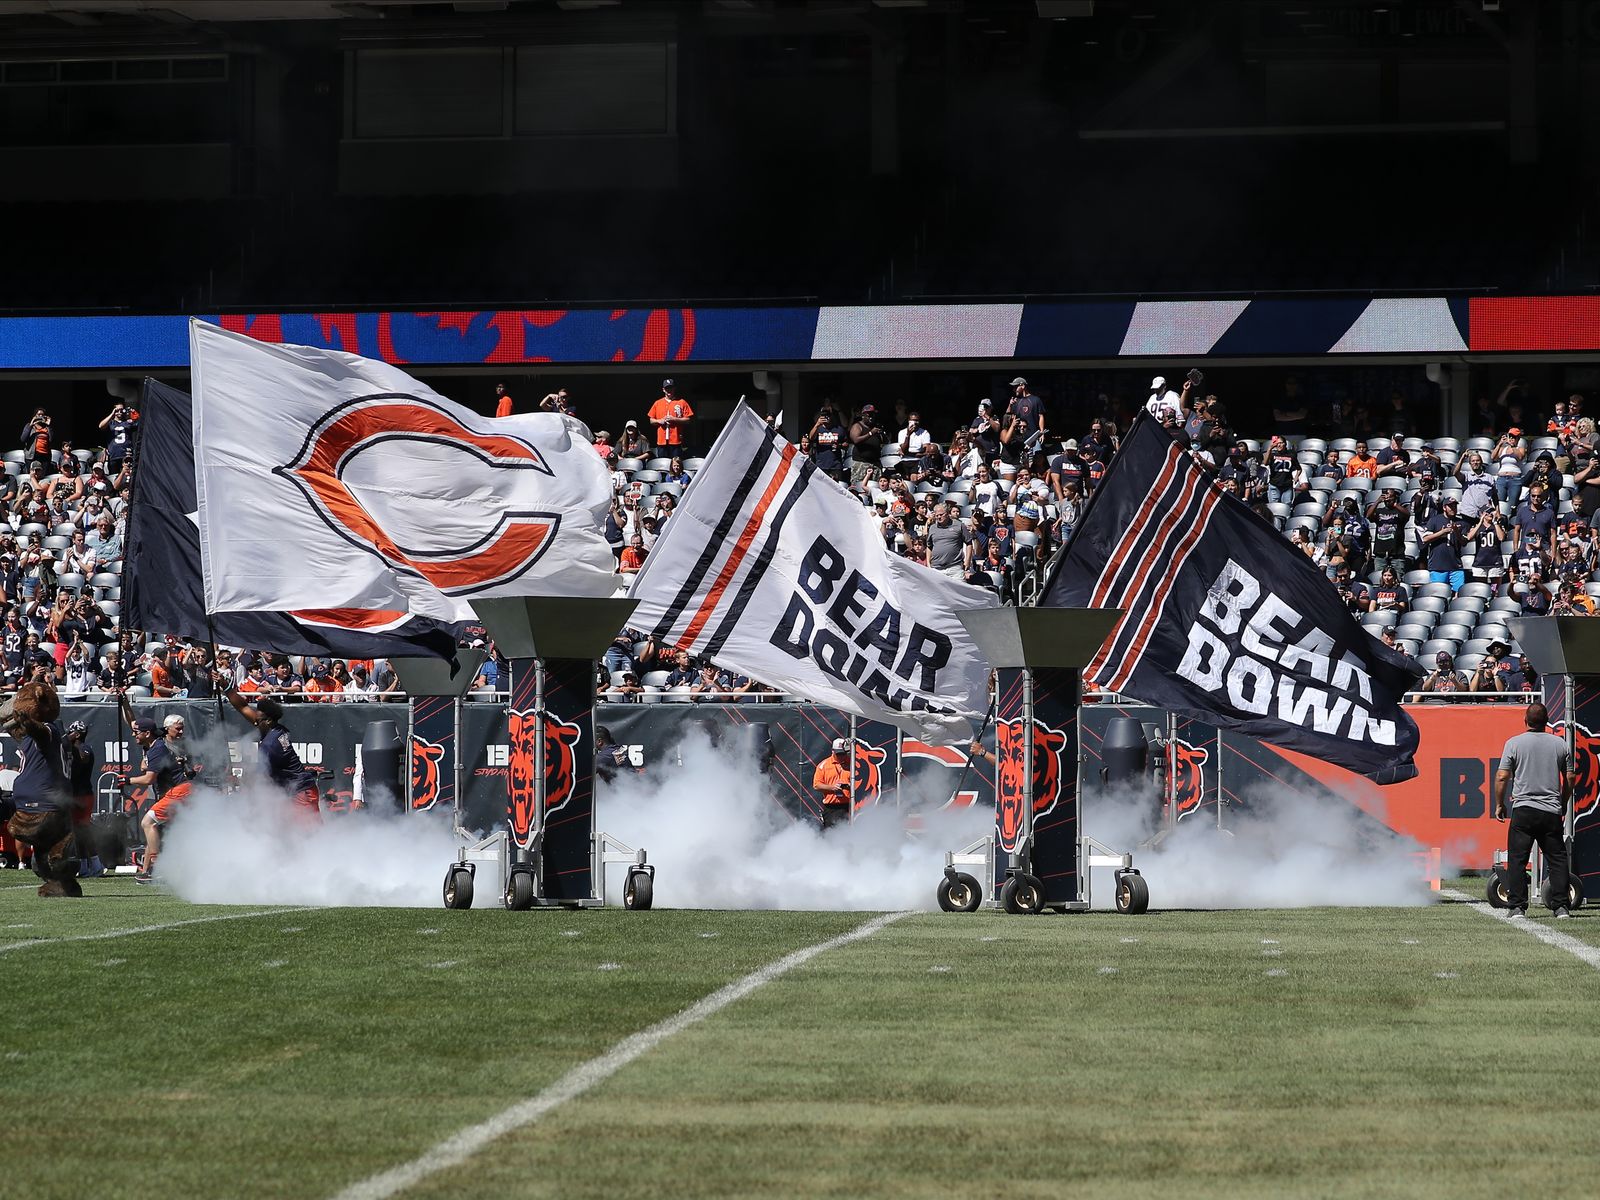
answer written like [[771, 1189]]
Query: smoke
[[1281, 849], [718, 841], [250, 847]]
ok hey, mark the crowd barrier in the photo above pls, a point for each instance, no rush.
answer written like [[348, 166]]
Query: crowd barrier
[[1219, 776]]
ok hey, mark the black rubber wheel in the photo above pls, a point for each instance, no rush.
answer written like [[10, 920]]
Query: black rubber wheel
[[458, 888], [638, 892], [519, 891], [1133, 894], [1022, 895], [1495, 891], [1574, 893], [960, 894]]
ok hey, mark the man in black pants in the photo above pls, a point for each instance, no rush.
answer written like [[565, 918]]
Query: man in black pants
[[1534, 765]]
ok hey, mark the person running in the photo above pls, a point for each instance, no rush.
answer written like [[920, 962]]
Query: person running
[[1534, 768], [280, 763], [166, 770], [80, 769]]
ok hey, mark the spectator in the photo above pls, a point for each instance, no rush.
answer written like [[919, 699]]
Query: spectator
[[1352, 592], [37, 440], [1486, 677], [633, 557], [1388, 525], [321, 686], [557, 402], [985, 431], [1389, 595], [1572, 601], [950, 546], [675, 473], [1477, 486], [503, 405], [1484, 539], [683, 673], [285, 683], [670, 415], [1424, 504], [1528, 590], [1361, 465], [634, 444], [604, 448], [1393, 459], [1444, 677], [828, 441], [867, 436], [913, 438], [165, 678], [710, 684], [1027, 408], [119, 425], [1163, 401], [1535, 516], [1443, 539], [1508, 455], [361, 688]]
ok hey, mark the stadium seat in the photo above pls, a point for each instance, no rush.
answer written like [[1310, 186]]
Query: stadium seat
[[1315, 445], [693, 464], [1476, 590], [658, 464], [1433, 645], [1431, 602], [647, 475], [70, 581], [1452, 631], [54, 542], [105, 579], [629, 465]]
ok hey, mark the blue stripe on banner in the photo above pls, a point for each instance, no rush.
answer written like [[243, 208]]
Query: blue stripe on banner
[[1088, 330], [1290, 327]]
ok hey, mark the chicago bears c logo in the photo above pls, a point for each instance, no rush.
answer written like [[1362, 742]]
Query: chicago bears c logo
[[1188, 777], [1048, 744], [350, 461], [1585, 771], [425, 756], [525, 759], [866, 772]]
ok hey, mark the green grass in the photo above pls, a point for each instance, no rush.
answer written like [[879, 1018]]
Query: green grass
[[926, 1060]]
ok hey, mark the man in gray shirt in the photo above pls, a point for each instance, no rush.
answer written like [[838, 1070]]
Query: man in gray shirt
[[949, 544], [1534, 765]]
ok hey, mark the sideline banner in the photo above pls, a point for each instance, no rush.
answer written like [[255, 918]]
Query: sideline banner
[[773, 570], [325, 480], [1225, 621]]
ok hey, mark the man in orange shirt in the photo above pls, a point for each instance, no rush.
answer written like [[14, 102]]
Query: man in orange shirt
[[633, 556], [322, 685], [832, 783], [670, 415], [1361, 465], [502, 406]]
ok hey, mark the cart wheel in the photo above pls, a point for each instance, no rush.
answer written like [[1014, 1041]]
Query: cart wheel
[[458, 888], [519, 891], [1495, 891], [1133, 894], [1022, 895], [960, 893], [638, 891], [1574, 892]]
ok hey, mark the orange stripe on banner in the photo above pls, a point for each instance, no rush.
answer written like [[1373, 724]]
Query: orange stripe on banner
[[740, 549], [1148, 564], [1158, 602], [1135, 528]]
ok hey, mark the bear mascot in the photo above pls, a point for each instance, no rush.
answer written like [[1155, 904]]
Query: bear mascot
[[39, 810]]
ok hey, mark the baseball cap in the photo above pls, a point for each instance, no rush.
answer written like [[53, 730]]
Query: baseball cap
[[985, 403], [1019, 381], [868, 408], [1514, 432], [602, 433], [144, 725], [838, 745], [319, 671], [667, 383], [1442, 658], [1070, 444], [1159, 382], [631, 425]]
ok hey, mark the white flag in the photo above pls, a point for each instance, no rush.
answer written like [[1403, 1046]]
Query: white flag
[[326, 480], [771, 569]]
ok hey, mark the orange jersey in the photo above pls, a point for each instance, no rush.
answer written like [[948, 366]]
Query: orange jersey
[[503, 409], [1362, 468], [328, 685], [670, 435], [632, 559], [832, 773]]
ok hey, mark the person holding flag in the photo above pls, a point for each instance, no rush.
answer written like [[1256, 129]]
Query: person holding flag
[[280, 762]]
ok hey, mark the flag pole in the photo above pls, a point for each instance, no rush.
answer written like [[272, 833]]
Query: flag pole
[[982, 729]]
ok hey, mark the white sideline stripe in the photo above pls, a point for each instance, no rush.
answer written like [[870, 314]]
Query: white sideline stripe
[[462, 1145], [7, 947], [1547, 935]]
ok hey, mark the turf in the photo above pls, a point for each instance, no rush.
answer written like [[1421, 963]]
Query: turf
[[1398, 1052]]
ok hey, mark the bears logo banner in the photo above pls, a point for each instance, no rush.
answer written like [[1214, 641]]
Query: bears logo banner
[[325, 480], [775, 571], [161, 584], [1225, 621]]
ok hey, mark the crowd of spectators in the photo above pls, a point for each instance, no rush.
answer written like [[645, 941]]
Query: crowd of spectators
[[1432, 544]]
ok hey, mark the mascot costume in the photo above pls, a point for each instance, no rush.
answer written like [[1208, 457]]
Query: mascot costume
[[39, 811]]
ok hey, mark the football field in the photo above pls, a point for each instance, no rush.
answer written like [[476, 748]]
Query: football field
[[152, 1048]]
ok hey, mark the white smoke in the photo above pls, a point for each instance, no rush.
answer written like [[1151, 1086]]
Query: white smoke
[[251, 847], [1284, 849], [719, 841]]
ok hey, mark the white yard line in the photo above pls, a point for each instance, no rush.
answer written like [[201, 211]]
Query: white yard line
[[7, 947], [1547, 934], [462, 1145]]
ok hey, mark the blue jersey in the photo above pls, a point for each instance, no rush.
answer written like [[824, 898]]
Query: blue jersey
[[170, 769], [281, 763], [42, 782]]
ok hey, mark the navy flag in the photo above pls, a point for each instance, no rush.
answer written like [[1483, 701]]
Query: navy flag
[[1225, 621], [161, 586]]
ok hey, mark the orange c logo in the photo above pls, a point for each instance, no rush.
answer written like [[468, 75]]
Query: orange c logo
[[353, 454]]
